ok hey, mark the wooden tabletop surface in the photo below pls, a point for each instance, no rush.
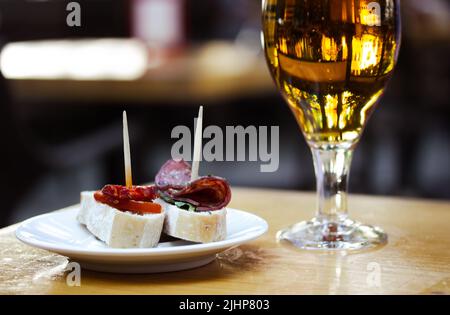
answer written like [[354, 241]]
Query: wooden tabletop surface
[[415, 261]]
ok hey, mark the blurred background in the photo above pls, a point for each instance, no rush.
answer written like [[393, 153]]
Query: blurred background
[[63, 89]]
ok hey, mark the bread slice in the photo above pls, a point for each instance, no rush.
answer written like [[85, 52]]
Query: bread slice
[[200, 227], [117, 228]]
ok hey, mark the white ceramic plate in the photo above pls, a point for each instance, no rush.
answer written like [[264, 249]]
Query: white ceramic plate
[[61, 233]]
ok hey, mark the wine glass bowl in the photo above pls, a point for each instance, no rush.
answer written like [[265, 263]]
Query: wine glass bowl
[[331, 61]]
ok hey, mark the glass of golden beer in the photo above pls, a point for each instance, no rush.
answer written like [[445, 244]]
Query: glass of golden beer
[[331, 60]]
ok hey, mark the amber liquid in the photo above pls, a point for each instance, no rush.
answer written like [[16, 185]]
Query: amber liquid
[[331, 59]]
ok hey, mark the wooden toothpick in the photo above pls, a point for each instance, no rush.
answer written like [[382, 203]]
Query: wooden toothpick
[[197, 145], [126, 152]]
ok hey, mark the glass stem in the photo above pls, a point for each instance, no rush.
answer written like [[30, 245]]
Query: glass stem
[[332, 171]]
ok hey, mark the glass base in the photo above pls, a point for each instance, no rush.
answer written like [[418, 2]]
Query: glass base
[[344, 235]]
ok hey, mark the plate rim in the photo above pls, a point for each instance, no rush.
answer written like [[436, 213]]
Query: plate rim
[[138, 252]]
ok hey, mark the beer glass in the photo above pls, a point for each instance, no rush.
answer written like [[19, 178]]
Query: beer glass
[[331, 60]]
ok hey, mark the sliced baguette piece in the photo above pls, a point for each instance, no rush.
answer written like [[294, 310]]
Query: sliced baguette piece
[[117, 228], [200, 227]]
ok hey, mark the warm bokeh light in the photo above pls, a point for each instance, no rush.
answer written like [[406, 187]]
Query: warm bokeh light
[[366, 53], [330, 48], [100, 59]]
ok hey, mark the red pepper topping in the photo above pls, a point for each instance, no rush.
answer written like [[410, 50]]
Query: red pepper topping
[[137, 199]]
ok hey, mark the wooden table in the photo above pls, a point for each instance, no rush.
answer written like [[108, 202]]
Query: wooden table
[[415, 261]]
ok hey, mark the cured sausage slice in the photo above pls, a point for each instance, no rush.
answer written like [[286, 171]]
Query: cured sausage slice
[[205, 193]]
